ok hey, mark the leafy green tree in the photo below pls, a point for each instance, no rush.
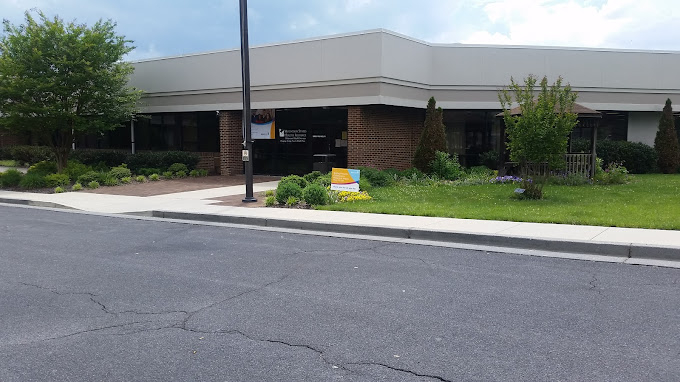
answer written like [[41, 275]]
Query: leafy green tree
[[539, 133], [59, 80], [432, 139], [666, 141]]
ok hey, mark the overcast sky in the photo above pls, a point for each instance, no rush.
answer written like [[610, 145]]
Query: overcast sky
[[172, 27]]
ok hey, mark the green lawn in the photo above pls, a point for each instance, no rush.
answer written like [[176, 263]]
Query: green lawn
[[648, 201], [8, 163]]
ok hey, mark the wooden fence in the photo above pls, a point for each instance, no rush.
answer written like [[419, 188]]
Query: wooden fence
[[576, 164]]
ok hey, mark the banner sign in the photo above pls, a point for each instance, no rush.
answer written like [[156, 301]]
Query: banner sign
[[344, 179], [263, 124]]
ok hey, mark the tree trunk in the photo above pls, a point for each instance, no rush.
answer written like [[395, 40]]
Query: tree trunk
[[61, 144]]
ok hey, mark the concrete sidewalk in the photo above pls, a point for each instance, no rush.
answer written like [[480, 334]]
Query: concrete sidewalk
[[641, 246]]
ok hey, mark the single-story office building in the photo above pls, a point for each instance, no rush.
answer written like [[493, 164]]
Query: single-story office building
[[359, 99]]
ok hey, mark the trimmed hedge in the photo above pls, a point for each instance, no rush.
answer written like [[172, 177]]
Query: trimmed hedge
[[161, 159], [638, 158], [30, 154]]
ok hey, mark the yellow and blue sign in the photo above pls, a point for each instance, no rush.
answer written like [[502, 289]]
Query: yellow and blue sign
[[263, 124], [345, 179]]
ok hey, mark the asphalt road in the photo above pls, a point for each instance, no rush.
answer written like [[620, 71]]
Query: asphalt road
[[92, 298]]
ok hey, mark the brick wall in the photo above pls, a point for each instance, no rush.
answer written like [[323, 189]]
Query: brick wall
[[7, 139], [383, 136], [231, 143], [209, 161]]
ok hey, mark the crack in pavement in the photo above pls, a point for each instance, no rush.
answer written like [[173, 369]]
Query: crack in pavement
[[593, 285], [432, 376], [83, 332]]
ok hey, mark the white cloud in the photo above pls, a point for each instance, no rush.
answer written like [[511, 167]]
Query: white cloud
[[354, 5], [570, 23]]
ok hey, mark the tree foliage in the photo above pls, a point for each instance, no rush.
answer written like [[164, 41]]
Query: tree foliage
[[59, 80], [666, 141], [432, 139], [540, 132]]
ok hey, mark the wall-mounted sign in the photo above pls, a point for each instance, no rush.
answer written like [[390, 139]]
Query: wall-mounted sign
[[292, 136], [345, 179], [263, 124]]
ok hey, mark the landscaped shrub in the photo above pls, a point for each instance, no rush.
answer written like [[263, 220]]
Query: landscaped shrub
[[315, 194], [377, 178], [365, 184], [140, 178], [300, 181], [446, 167], [31, 154], [198, 172], [666, 142], [92, 176], [291, 201], [59, 190], [168, 175], [111, 181], [489, 159], [74, 169], [5, 154], [286, 190], [76, 187], [11, 178], [529, 190], [126, 180], [177, 167], [638, 158], [146, 171], [324, 180], [160, 160], [269, 193], [43, 168], [32, 181], [57, 180], [615, 173], [312, 176], [181, 174], [120, 172], [154, 177], [411, 173], [93, 184], [109, 158], [270, 201], [432, 139]]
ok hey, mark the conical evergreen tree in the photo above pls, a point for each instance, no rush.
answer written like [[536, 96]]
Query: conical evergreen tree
[[432, 139], [666, 142]]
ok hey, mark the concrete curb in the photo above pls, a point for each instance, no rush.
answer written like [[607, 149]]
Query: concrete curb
[[632, 251], [36, 203]]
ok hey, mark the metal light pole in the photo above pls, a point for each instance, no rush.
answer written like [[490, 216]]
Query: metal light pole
[[245, 71]]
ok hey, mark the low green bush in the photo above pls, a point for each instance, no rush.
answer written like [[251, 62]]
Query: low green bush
[[365, 184], [377, 178], [181, 174], [615, 173], [57, 180], [177, 167], [324, 180], [291, 201], [99, 158], [269, 193], [154, 177], [126, 180], [43, 168], [489, 159], [411, 174], [59, 190], [168, 175], [111, 181], [93, 184], [146, 171], [160, 160], [529, 189], [11, 178], [445, 166], [92, 176], [312, 176], [286, 190], [75, 169], [300, 181], [76, 187], [270, 201], [638, 158], [140, 178], [32, 181], [120, 172], [315, 194], [31, 154]]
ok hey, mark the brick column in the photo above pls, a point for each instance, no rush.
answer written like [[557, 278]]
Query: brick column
[[381, 136], [231, 143]]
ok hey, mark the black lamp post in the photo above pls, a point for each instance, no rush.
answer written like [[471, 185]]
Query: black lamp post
[[245, 72]]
